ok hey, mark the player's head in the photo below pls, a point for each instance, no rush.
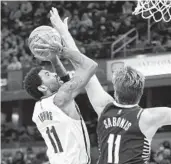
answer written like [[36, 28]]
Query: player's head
[[128, 85], [39, 82]]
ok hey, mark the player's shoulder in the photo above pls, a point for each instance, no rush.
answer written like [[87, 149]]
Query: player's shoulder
[[36, 109], [147, 124], [37, 106], [149, 114]]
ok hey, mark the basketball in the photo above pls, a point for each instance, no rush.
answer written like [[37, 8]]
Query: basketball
[[44, 35]]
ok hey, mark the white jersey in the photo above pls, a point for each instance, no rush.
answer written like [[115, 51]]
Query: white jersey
[[66, 138]]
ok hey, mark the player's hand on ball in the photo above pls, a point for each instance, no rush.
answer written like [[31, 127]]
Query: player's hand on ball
[[50, 50], [57, 23]]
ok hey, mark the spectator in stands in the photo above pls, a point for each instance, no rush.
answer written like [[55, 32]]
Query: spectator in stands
[[5, 31], [126, 25], [25, 59], [159, 157], [166, 145], [102, 29], [142, 43], [3, 130], [15, 14], [4, 64], [74, 32], [110, 6], [26, 7], [167, 42], [167, 154], [82, 36], [74, 22], [30, 155], [86, 21], [40, 11], [157, 46], [42, 158], [116, 25], [15, 64], [127, 8], [19, 158], [6, 49], [161, 27], [23, 135]]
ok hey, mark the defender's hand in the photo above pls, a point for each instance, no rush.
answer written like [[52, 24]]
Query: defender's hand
[[57, 23]]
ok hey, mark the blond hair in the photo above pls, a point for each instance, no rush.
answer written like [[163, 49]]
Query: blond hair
[[128, 85]]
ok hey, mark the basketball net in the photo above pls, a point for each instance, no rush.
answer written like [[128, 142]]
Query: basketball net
[[158, 9]]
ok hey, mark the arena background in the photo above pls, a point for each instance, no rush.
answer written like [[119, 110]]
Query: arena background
[[107, 32]]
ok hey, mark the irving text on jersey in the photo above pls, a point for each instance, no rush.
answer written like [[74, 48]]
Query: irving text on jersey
[[117, 122], [46, 115]]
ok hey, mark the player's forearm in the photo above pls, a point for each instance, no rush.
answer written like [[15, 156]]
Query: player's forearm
[[79, 60], [85, 69], [160, 115], [94, 88], [58, 67], [69, 41], [167, 116]]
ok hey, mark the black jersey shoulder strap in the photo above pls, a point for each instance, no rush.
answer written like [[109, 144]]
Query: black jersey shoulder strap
[[139, 113], [107, 107], [85, 141]]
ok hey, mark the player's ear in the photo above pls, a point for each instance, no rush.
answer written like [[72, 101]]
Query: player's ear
[[42, 88]]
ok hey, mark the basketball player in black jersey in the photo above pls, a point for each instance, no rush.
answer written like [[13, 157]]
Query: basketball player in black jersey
[[125, 130]]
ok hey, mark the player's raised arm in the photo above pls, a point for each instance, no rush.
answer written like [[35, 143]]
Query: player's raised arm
[[62, 28], [85, 68], [153, 118], [97, 96]]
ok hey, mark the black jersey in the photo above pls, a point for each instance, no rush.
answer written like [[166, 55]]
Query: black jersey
[[120, 138]]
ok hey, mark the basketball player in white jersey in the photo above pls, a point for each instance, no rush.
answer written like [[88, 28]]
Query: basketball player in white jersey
[[56, 115], [149, 120]]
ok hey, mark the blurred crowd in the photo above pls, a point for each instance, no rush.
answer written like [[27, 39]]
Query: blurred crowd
[[14, 137], [29, 156], [94, 26], [11, 134], [162, 155], [27, 136]]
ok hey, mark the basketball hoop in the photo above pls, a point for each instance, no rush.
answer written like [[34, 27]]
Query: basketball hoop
[[158, 9]]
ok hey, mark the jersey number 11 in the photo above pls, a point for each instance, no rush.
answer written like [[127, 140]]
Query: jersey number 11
[[57, 146], [111, 144]]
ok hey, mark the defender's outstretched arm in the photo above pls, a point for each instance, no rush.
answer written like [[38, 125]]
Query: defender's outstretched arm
[[153, 118]]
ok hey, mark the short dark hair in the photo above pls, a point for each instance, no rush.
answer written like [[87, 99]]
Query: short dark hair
[[32, 81], [128, 85]]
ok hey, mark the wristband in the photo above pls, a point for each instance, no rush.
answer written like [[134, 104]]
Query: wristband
[[65, 78]]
